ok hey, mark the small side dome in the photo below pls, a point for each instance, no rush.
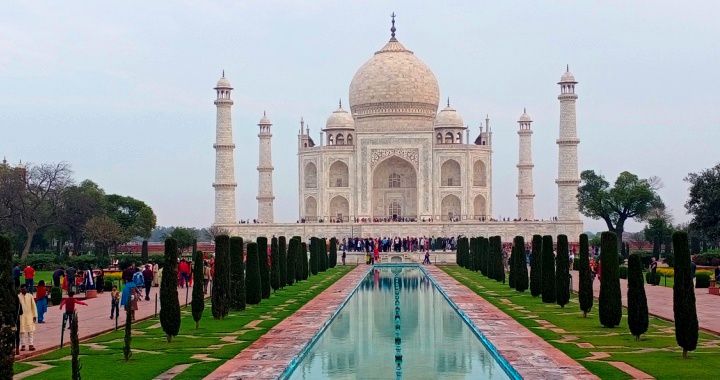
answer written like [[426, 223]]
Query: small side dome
[[340, 119], [223, 82], [525, 118], [448, 117], [264, 120], [567, 77]]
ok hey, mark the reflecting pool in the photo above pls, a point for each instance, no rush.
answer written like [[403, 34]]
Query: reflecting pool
[[398, 325]]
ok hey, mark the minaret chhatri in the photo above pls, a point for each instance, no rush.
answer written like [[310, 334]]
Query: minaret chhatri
[[224, 162], [525, 195], [568, 177], [265, 171]]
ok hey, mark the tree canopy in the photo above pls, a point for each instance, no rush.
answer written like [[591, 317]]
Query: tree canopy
[[134, 216], [704, 202]]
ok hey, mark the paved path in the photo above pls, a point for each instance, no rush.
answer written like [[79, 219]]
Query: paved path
[[94, 320], [660, 302], [267, 357]]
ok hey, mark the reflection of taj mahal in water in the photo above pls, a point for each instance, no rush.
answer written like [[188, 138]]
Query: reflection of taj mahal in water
[[392, 164]]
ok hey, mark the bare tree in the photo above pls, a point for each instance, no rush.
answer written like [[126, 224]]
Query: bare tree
[[37, 203], [215, 231]]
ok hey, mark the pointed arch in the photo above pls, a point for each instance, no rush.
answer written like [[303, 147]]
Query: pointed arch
[[480, 207], [479, 174], [450, 207], [339, 208], [450, 173], [339, 174], [310, 209], [310, 175]]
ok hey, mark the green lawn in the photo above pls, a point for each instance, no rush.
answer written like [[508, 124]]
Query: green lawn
[[102, 358], [656, 353]]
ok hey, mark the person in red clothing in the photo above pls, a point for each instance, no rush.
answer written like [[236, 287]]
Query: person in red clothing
[[148, 279], [69, 304], [41, 301], [29, 273]]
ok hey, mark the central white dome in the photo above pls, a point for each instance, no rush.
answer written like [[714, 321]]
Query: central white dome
[[394, 82]]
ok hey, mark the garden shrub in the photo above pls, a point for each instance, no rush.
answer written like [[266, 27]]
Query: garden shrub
[[562, 271], [221, 281], [535, 266], [274, 264], [253, 282], [521, 271], [198, 292], [263, 263], [169, 302], [236, 294], [282, 255], [548, 270], [56, 294], [702, 279], [609, 302], [585, 289], [684, 310], [637, 308], [623, 272]]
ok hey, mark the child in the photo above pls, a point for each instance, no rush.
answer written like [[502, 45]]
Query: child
[[114, 302], [70, 303], [41, 300]]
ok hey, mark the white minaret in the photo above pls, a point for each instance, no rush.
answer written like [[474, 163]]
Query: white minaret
[[568, 177], [525, 195], [224, 162], [265, 171]]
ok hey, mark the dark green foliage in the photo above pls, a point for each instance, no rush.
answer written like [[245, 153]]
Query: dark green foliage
[[484, 246], [314, 266], [333, 252], [8, 310], [221, 281], [323, 255], [253, 281], [521, 271], [304, 261], [548, 270], [498, 269], [236, 288], [562, 272], [585, 290], [56, 295], [637, 308], [144, 252], [274, 264], [652, 280], [282, 254], [609, 303], [169, 302], [263, 263], [702, 280], [198, 292], [684, 310], [458, 256], [74, 347], [127, 340], [536, 266], [511, 267], [291, 264], [462, 252], [491, 257]]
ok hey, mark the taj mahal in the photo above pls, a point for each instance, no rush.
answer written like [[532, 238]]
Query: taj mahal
[[394, 162]]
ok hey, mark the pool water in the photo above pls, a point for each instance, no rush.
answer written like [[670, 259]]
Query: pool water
[[362, 341]]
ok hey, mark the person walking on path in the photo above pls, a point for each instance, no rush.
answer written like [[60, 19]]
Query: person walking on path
[[114, 302], [426, 260], [88, 279], [155, 269], [70, 278], [148, 278], [17, 272], [343, 257], [18, 314], [653, 270], [41, 301], [69, 304], [29, 273], [60, 272], [207, 275], [27, 319], [127, 273]]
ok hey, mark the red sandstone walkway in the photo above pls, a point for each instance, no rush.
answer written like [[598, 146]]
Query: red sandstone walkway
[[660, 302], [268, 356], [529, 354], [94, 319]]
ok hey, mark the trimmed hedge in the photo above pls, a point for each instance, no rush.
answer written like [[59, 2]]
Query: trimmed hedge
[[637, 308], [236, 294], [536, 266], [609, 302], [169, 302], [221, 280], [263, 263], [274, 264], [197, 304], [548, 270], [684, 309], [521, 271], [253, 281], [282, 255], [562, 271]]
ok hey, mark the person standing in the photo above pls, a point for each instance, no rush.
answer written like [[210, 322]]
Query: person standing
[[114, 302], [17, 272], [27, 319], [653, 270], [41, 301], [60, 272], [155, 269], [127, 273], [29, 273], [148, 279], [207, 276], [343, 257], [88, 279], [70, 277]]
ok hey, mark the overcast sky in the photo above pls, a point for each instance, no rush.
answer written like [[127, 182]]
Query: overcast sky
[[124, 92]]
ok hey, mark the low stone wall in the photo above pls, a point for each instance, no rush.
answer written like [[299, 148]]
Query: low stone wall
[[507, 230]]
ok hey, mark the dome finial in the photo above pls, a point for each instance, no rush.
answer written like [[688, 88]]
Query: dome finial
[[448, 103], [392, 29], [524, 110], [340, 103], [223, 75], [567, 68]]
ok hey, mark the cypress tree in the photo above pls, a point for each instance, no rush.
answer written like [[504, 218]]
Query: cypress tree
[[484, 256], [253, 281], [491, 257], [169, 302], [221, 281], [548, 270], [198, 292], [536, 266], [8, 310], [499, 264], [324, 252], [458, 256], [314, 266], [236, 293], [74, 347], [511, 265], [282, 251], [521, 271], [274, 264], [585, 290], [127, 340], [144, 252], [290, 264], [562, 272], [636, 300], [333, 252], [304, 260], [264, 269], [609, 302], [298, 260], [684, 310]]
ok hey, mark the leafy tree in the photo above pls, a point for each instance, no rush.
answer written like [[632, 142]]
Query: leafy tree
[[221, 281], [548, 271], [609, 302], [521, 271], [658, 230], [184, 236], [8, 310], [198, 292], [264, 268], [144, 252], [684, 309], [291, 264], [282, 250], [585, 290], [104, 232], [275, 264], [562, 272], [536, 266], [253, 281], [630, 198], [169, 302], [704, 202], [637, 301], [134, 216], [79, 204], [236, 293], [74, 347]]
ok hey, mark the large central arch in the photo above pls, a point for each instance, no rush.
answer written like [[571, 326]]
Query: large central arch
[[394, 189]]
